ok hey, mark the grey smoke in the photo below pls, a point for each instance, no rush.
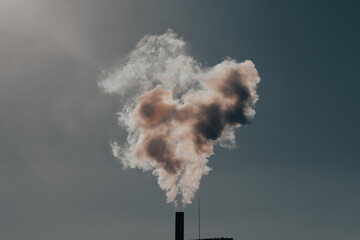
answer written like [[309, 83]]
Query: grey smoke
[[174, 110]]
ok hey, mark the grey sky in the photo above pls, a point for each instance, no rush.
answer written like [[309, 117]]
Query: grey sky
[[294, 176]]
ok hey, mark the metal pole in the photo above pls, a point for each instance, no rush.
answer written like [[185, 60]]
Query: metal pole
[[199, 215]]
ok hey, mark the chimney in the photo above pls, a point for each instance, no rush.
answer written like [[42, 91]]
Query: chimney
[[179, 226]]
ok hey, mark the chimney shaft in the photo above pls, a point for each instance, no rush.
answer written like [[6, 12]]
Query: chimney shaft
[[179, 226]]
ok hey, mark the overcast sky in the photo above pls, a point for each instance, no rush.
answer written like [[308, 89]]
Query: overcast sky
[[295, 173]]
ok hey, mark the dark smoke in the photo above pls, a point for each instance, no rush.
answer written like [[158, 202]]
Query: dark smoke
[[179, 111]]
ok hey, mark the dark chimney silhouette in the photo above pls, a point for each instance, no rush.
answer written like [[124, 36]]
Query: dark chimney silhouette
[[179, 226]]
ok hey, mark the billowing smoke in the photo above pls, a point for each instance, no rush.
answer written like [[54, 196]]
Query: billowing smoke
[[174, 111]]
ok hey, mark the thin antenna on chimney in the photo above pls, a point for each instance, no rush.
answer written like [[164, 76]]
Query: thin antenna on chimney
[[199, 215]]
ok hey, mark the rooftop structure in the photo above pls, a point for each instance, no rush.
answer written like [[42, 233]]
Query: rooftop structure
[[179, 229]]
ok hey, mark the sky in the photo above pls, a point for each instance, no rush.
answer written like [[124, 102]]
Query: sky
[[295, 172]]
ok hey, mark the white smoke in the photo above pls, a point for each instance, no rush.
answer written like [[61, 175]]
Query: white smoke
[[174, 111]]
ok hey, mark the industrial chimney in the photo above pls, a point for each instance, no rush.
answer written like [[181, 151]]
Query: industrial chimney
[[179, 226]]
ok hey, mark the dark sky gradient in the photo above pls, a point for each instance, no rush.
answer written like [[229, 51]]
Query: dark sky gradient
[[295, 174]]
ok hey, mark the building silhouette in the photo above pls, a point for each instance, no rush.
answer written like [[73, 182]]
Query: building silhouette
[[179, 229]]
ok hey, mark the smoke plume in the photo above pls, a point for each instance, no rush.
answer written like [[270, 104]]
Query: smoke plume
[[174, 110]]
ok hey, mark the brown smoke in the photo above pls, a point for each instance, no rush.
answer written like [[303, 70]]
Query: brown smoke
[[182, 113], [204, 119]]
